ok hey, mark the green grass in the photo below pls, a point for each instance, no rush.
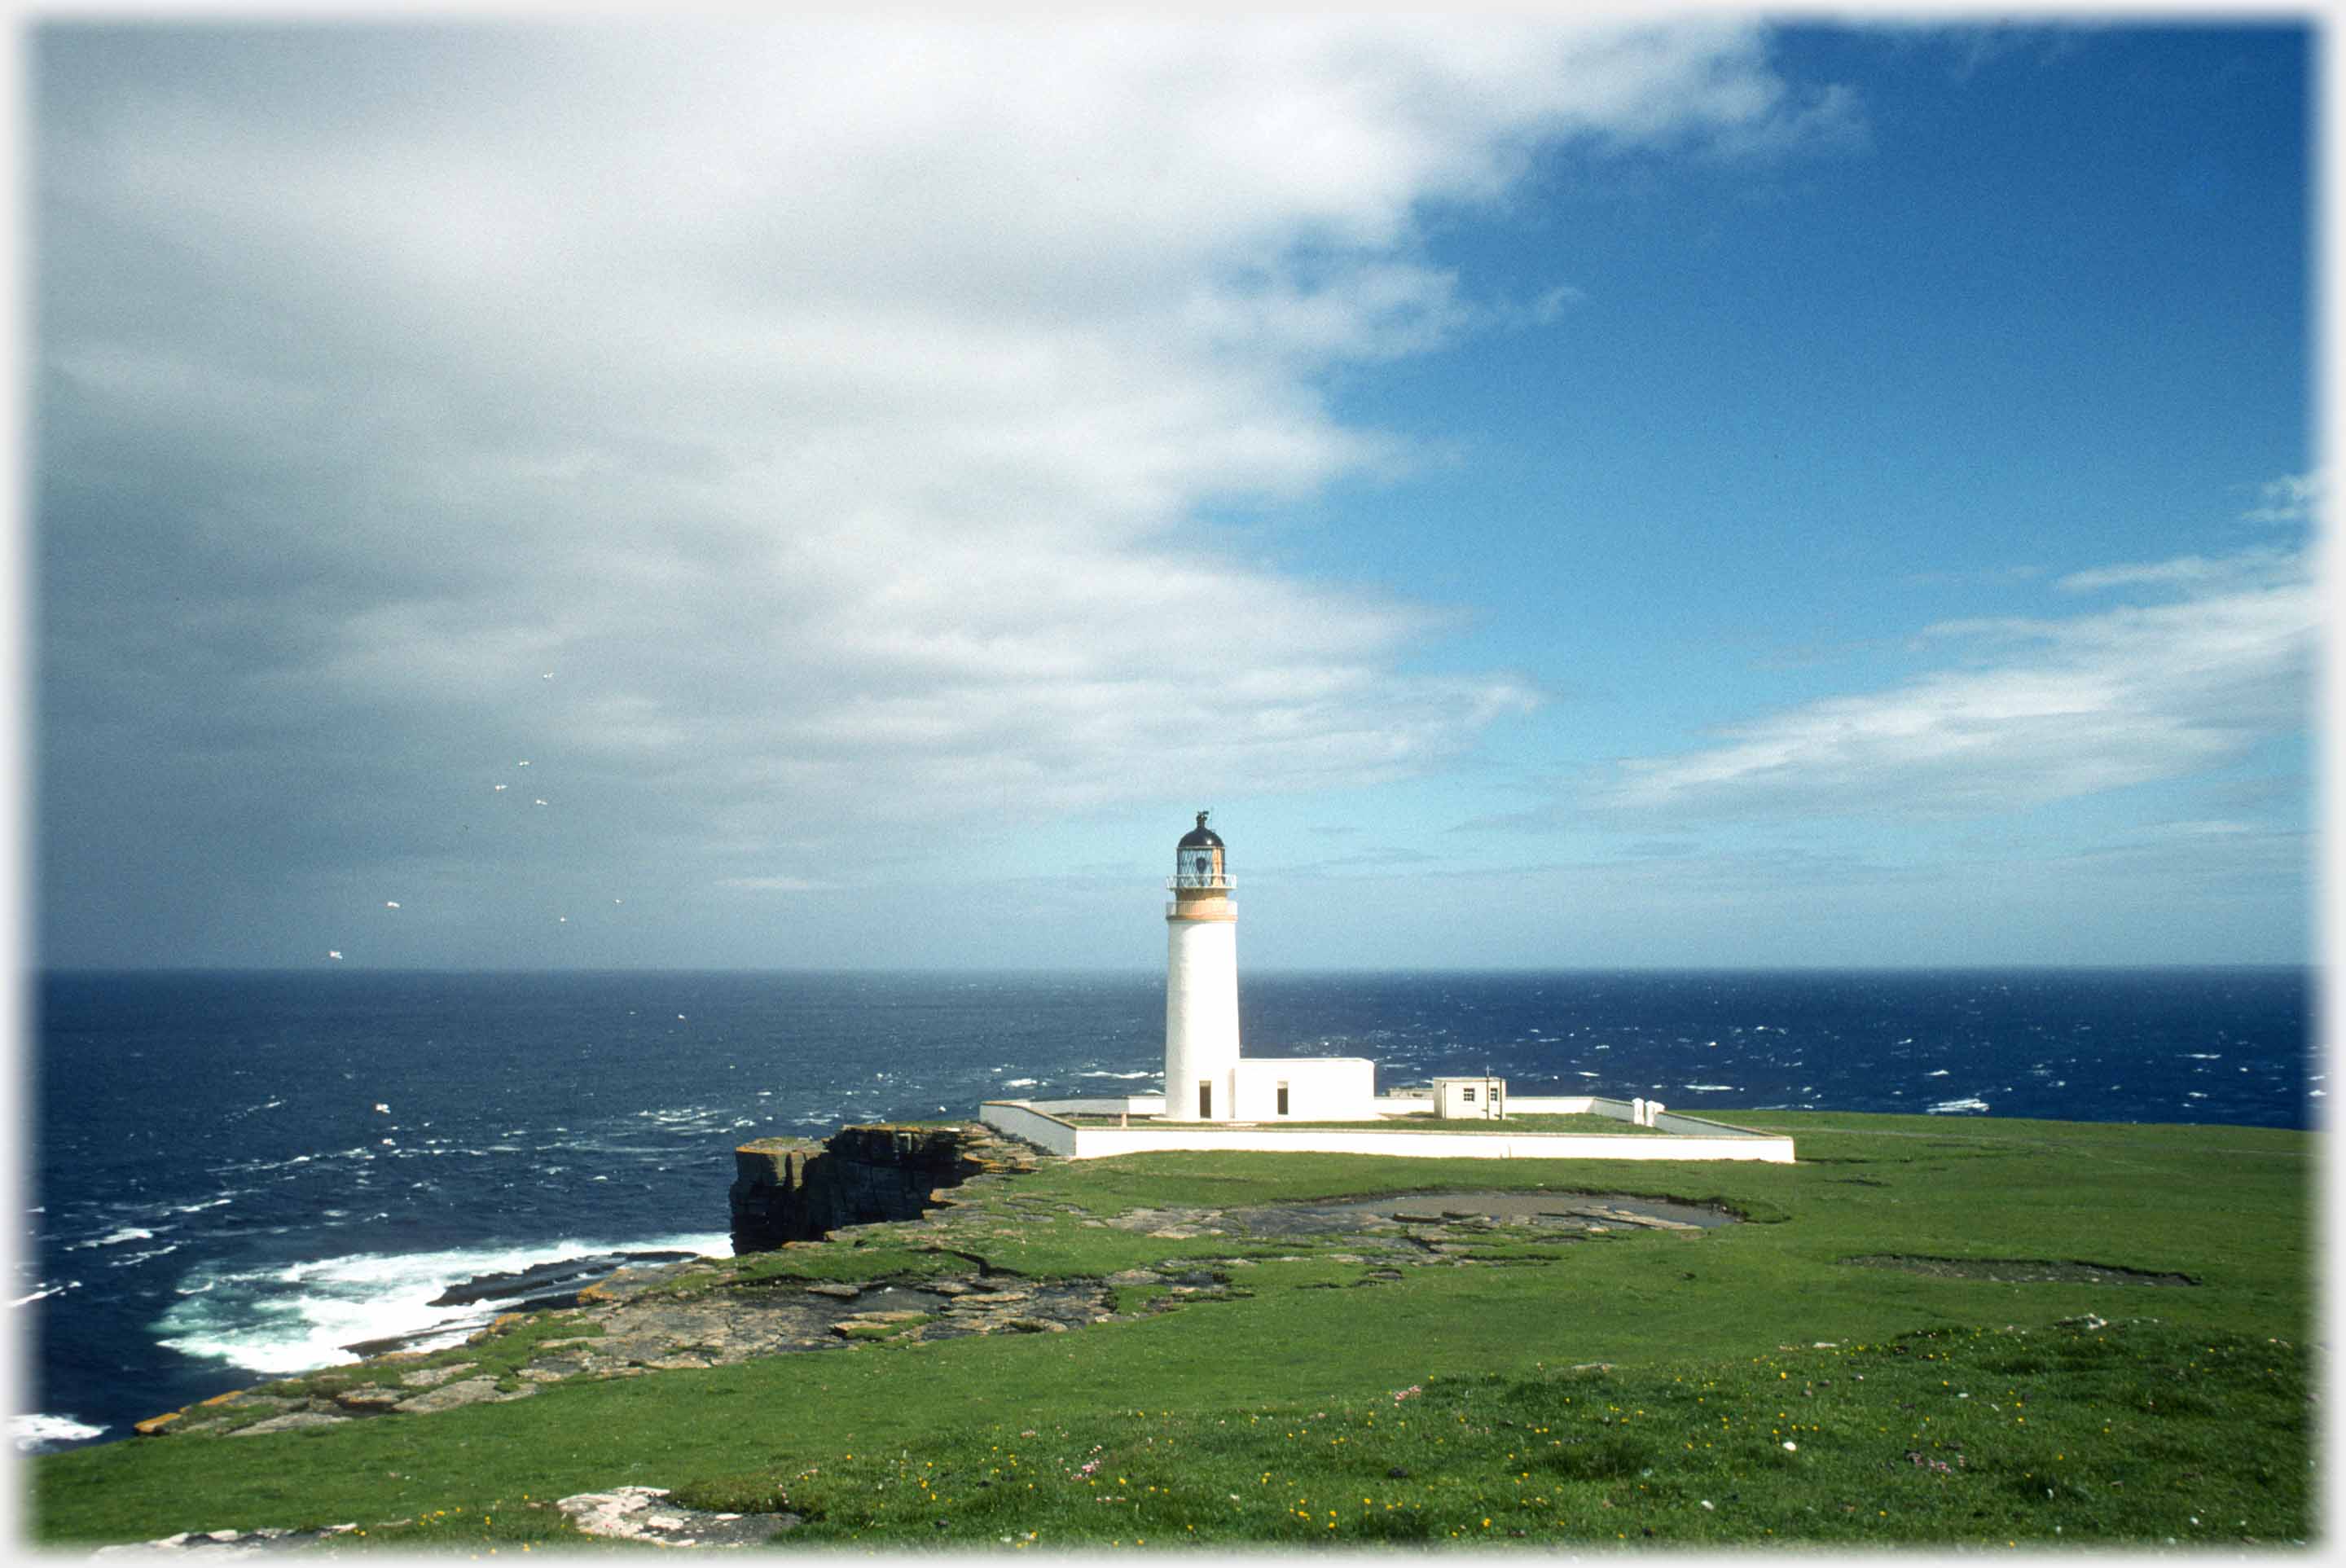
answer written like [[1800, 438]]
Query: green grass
[[2132, 1432], [2229, 1207]]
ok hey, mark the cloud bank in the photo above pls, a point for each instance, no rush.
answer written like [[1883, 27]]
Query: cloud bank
[[2039, 710], [754, 427]]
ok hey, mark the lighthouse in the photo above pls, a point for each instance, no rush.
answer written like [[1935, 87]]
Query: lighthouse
[[1201, 982]]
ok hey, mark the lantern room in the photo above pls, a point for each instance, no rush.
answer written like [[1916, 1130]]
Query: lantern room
[[1198, 861]]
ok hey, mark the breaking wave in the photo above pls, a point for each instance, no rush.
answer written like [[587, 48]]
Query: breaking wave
[[292, 1319], [36, 1433]]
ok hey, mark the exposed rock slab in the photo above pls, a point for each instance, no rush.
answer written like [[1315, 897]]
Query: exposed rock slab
[[2021, 1270], [449, 1396], [291, 1420], [215, 1544], [643, 1513]]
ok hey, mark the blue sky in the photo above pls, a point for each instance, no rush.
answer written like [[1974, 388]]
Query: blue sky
[[1708, 493]]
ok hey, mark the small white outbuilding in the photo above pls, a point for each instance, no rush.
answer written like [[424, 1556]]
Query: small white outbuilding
[[1470, 1099]]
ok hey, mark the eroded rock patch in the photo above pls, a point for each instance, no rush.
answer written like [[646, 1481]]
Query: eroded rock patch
[[645, 1515], [2018, 1270]]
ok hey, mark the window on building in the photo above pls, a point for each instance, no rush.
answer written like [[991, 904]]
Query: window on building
[[1205, 1100], [1467, 1095], [1282, 1099]]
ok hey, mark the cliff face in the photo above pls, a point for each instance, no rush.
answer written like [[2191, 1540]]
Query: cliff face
[[793, 1189]]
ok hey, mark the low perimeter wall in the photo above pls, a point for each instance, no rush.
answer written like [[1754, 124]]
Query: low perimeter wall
[[1691, 1138]]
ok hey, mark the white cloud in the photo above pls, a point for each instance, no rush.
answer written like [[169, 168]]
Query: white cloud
[[831, 404], [2292, 498], [2047, 710], [2191, 572]]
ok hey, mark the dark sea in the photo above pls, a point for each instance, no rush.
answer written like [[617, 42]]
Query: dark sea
[[239, 1175]]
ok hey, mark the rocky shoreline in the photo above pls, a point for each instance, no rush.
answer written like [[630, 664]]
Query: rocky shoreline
[[649, 1314], [707, 1313], [797, 1189]]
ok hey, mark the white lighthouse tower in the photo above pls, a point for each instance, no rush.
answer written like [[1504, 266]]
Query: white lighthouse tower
[[1201, 982]]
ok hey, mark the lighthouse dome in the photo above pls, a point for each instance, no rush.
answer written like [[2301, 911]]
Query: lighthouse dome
[[1199, 863]]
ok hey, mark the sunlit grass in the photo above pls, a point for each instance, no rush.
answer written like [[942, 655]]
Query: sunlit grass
[[2204, 1410], [2133, 1432]]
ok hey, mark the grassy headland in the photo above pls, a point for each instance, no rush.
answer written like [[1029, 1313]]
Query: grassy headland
[[1928, 1330]]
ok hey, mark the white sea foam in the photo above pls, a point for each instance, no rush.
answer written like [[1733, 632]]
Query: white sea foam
[[1021, 1082], [2203, 1055], [128, 1233], [1586, 1074], [679, 1116], [35, 1434], [138, 1258], [1705, 1088], [1143, 1074], [197, 1208], [288, 1319], [1940, 1073], [1949, 1108], [61, 1288]]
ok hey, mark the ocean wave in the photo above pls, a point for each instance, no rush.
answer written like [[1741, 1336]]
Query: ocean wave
[[681, 1115], [1951, 1107], [35, 1434], [1705, 1088], [282, 1320], [1143, 1074], [1020, 1083], [128, 1233], [138, 1258], [44, 1291]]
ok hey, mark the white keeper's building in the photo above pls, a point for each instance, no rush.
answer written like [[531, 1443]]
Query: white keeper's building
[[1207, 1079], [1219, 1098]]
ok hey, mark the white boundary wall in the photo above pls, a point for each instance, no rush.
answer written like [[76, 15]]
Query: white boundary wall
[[1691, 1138], [1020, 1119]]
